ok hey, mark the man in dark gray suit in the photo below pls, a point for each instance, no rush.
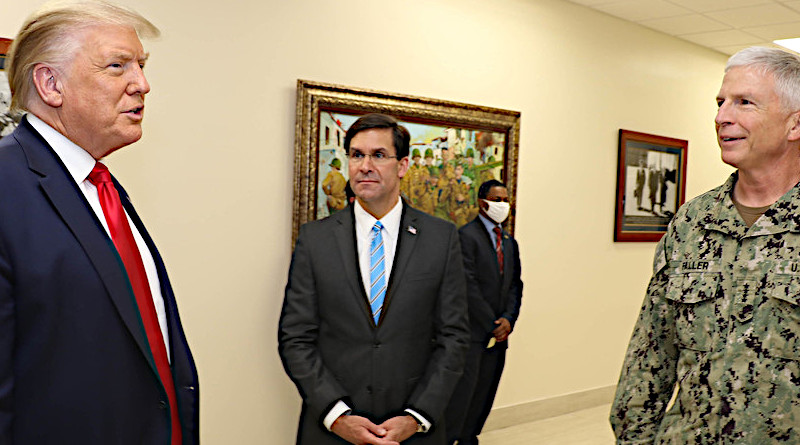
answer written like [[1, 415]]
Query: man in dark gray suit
[[373, 329], [494, 292]]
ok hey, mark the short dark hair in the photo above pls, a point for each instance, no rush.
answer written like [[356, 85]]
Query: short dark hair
[[400, 135], [483, 191]]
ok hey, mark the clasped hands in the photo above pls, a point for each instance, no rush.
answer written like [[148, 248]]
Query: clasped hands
[[361, 431]]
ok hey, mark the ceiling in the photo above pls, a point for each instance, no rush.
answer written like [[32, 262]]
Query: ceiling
[[722, 25]]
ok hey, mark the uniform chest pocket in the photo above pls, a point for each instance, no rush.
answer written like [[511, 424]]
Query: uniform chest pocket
[[693, 296], [779, 324]]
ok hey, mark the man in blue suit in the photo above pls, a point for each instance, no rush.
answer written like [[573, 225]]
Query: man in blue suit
[[91, 348]]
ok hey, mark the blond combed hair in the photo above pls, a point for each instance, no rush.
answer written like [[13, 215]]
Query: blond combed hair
[[50, 35]]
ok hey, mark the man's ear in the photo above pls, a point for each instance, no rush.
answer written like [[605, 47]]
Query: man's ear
[[48, 84], [402, 167], [794, 126]]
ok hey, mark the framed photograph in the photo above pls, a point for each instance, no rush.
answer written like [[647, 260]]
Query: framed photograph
[[8, 120], [651, 185], [454, 148]]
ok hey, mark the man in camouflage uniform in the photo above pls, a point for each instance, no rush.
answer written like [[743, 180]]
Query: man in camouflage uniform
[[720, 324]]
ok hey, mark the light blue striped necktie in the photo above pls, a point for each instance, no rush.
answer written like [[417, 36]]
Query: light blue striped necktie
[[377, 272]]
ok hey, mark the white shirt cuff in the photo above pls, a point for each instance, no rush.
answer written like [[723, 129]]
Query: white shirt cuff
[[421, 420], [337, 410]]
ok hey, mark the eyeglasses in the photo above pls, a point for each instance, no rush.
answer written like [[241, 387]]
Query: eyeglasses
[[356, 157]]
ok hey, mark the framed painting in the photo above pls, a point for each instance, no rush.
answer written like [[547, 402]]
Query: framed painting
[[454, 148], [8, 120], [651, 185]]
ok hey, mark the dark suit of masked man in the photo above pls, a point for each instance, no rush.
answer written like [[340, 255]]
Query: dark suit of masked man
[[494, 289]]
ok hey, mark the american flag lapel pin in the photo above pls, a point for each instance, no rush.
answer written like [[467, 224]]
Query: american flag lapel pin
[[412, 230]]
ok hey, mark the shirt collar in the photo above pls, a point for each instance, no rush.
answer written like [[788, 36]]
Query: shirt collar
[[78, 161], [488, 223], [390, 221]]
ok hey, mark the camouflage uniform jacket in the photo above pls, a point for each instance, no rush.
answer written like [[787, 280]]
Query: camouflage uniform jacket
[[721, 319]]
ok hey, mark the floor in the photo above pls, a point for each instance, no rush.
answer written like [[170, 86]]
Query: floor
[[586, 427]]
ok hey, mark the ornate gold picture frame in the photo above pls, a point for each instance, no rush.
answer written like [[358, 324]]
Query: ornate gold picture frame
[[454, 147]]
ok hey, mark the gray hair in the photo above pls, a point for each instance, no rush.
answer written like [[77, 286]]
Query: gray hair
[[783, 65], [50, 35]]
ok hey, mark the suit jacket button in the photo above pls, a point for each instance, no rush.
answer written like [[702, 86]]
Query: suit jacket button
[[162, 404], [369, 389]]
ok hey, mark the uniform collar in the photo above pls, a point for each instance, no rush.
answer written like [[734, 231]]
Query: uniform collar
[[782, 216]]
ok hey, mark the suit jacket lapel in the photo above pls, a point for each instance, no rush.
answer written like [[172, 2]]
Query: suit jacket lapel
[[508, 271], [71, 205], [344, 233], [406, 240], [163, 279], [181, 355], [489, 244]]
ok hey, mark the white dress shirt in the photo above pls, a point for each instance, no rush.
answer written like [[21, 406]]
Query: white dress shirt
[[79, 164], [391, 227]]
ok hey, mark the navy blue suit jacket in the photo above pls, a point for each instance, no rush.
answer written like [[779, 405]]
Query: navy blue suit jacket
[[75, 366]]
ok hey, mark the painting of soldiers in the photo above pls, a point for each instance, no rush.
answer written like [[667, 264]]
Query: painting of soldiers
[[445, 165]]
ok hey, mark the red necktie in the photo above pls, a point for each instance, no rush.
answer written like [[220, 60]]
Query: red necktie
[[123, 239], [498, 247]]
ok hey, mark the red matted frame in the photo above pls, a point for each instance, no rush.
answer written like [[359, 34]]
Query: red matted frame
[[651, 185]]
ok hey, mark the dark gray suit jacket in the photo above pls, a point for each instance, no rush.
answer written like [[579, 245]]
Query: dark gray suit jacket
[[331, 348]]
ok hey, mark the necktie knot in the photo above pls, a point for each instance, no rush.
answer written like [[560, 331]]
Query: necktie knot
[[377, 228], [498, 231], [99, 174]]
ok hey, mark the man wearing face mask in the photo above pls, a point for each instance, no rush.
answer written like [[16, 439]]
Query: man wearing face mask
[[494, 293]]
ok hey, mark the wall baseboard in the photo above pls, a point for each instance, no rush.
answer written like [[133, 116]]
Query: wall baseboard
[[542, 409]]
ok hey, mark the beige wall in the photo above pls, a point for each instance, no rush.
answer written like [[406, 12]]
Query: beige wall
[[213, 175]]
